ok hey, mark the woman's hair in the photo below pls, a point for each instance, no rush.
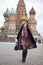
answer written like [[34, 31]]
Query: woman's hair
[[27, 26], [20, 31], [21, 28]]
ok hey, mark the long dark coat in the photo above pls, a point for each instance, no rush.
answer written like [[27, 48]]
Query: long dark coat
[[33, 42]]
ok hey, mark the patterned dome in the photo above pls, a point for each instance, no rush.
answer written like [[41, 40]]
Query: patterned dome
[[32, 11], [12, 12], [24, 18]]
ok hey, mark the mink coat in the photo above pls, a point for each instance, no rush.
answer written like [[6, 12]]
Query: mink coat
[[18, 46]]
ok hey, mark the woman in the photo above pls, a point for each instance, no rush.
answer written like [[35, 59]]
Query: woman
[[25, 41]]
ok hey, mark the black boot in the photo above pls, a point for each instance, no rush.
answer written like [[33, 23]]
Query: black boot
[[24, 54]]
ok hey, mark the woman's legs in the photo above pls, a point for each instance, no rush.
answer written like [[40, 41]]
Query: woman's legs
[[24, 54]]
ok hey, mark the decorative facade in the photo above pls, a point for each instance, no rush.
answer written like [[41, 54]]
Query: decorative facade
[[13, 20]]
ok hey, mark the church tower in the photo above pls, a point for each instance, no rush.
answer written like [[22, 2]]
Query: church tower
[[6, 16], [21, 11], [33, 23], [12, 21]]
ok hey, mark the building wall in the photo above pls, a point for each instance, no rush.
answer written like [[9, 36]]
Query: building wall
[[12, 24], [32, 27]]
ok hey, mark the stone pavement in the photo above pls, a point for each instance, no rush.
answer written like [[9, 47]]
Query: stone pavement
[[10, 57]]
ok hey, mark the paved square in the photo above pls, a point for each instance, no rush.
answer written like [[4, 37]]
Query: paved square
[[10, 57]]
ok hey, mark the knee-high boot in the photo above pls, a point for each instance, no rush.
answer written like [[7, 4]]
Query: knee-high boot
[[24, 54]]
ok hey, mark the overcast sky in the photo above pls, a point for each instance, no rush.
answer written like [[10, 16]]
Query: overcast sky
[[37, 4]]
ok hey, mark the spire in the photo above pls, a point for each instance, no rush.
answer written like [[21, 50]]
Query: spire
[[21, 7], [21, 3], [21, 0]]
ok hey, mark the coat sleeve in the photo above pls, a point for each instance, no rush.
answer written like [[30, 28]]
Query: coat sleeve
[[32, 38], [19, 33], [18, 36]]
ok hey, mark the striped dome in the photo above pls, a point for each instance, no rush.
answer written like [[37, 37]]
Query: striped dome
[[12, 12]]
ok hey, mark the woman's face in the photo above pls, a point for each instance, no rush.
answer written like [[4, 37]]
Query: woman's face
[[25, 26]]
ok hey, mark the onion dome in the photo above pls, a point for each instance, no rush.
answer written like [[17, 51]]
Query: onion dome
[[23, 18], [12, 12], [2, 28], [6, 13], [32, 11]]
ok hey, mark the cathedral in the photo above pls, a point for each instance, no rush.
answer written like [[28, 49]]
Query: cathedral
[[14, 20]]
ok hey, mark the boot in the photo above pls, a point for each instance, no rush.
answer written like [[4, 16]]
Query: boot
[[24, 54]]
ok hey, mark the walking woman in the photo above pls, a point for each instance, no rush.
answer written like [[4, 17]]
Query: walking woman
[[25, 41]]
